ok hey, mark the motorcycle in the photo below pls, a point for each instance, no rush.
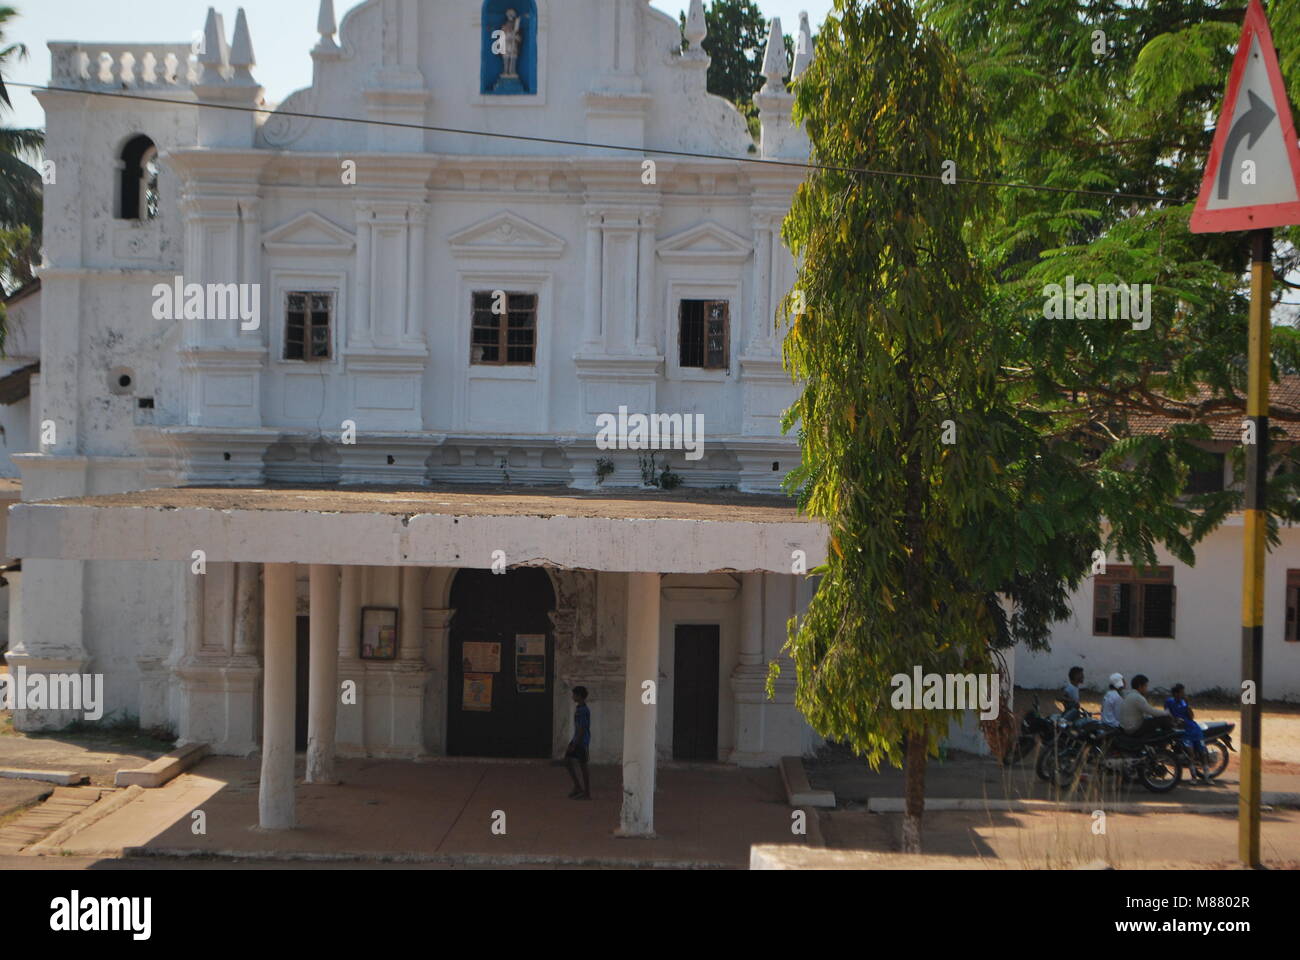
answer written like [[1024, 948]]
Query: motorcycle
[[1216, 742], [1153, 760]]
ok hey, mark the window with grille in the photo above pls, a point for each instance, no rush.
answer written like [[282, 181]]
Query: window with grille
[[308, 322], [1292, 621], [704, 334], [1125, 604], [1208, 479], [504, 328]]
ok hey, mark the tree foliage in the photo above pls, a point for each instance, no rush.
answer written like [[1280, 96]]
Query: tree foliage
[[923, 308]]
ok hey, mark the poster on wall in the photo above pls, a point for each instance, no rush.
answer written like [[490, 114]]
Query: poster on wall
[[477, 693], [530, 662], [378, 633], [481, 658]]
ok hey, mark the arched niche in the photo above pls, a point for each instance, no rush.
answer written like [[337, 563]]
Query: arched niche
[[493, 78]]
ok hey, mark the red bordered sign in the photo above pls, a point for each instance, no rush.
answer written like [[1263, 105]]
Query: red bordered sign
[[1252, 180]]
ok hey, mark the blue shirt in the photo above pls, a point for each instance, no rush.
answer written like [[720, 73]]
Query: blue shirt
[[582, 725]]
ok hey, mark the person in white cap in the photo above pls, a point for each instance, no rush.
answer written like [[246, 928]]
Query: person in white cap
[[1110, 703]]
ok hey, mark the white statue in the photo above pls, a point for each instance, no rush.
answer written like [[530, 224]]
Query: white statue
[[510, 39]]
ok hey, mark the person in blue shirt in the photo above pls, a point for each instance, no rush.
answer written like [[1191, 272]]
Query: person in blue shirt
[[1177, 705], [576, 755]]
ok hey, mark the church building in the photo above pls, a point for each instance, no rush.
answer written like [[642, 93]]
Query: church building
[[374, 422]]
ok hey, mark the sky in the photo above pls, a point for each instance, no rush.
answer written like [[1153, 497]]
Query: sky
[[283, 32]]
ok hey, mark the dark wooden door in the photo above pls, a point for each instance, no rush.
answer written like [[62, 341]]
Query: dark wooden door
[[500, 717], [302, 673], [695, 693]]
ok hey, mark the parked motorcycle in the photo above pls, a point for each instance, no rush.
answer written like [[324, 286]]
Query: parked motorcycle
[[1154, 761], [1216, 743]]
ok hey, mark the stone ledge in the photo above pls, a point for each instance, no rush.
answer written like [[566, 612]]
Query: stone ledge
[[798, 791], [64, 778], [158, 772]]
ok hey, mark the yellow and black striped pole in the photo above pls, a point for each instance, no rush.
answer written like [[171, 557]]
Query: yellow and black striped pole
[[1252, 593]]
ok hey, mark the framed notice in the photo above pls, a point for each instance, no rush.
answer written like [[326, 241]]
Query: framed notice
[[476, 694], [481, 657], [378, 633], [530, 662]]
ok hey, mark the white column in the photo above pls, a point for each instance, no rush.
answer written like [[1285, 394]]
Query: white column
[[647, 341], [764, 305], [411, 616], [350, 726], [194, 603], [275, 796], [416, 272], [246, 610], [639, 718], [748, 679], [595, 244], [323, 673], [361, 331]]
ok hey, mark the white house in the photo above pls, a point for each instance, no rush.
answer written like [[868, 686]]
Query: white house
[[405, 336]]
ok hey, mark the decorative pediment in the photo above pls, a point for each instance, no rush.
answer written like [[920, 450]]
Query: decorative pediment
[[706, 242], [506, 235], [308, 234]]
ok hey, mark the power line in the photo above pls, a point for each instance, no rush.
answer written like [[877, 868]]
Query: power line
[[641, 151]]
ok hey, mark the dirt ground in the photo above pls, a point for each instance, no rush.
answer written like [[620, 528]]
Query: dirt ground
[[1059, 840]]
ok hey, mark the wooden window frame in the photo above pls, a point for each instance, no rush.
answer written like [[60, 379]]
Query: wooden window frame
[[706, 306], [1117, 576], [308, 325], [503, 329]]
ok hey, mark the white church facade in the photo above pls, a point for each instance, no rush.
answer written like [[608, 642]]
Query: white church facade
[[319, 400]]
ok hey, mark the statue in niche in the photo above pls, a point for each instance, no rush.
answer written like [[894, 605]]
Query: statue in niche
[[507, 41]]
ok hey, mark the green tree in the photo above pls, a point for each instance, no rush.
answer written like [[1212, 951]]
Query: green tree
[[895, 364], [922, 309], [20, 184]]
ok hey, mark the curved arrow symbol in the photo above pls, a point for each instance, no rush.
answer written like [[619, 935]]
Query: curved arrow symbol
[[1250, 124]]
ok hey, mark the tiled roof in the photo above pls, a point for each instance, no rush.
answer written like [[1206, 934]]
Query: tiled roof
[[1284, 394]]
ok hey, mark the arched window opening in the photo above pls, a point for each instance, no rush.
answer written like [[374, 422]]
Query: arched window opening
[[138, 194]]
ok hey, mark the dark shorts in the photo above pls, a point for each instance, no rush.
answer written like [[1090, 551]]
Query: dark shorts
[[578, 753]]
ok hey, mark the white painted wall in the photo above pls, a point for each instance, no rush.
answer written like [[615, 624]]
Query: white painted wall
[[1206, 652]]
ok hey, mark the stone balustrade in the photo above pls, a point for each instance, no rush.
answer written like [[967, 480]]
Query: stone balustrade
[[124, 65]]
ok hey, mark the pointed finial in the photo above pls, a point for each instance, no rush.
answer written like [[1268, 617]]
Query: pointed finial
[[326, 26], [215, 56], [241, 50], [774, 59], [697, 28], [803, 48]]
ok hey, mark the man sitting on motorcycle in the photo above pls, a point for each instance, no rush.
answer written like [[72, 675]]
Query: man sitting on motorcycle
[[1193, 736], [1070, 692], [1110, 703], [1139, 718]]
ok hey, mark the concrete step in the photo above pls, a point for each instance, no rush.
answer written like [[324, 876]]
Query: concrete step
[[65, 778], [166, 767], [43, 819]]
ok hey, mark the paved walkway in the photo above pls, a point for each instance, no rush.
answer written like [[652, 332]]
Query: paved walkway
[[983, 778], [445, 811]]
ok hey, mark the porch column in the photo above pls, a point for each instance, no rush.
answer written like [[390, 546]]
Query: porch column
[[350, 734], [748, 680], [411, 616], [275, 797], [323, 667], [639, 717]]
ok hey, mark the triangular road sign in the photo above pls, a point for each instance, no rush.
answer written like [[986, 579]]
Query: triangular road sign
[[1252, 180]]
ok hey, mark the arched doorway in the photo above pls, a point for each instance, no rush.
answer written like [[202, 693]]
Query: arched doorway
[[501, 664]]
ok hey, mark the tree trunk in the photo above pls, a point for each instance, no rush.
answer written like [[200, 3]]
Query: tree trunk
[[914, 791]]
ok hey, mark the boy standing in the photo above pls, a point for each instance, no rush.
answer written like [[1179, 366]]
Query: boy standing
[[576, 755]]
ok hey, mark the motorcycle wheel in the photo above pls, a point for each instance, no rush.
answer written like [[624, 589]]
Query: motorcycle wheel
[[1046, 761], [1216, 759], [1161, 771]]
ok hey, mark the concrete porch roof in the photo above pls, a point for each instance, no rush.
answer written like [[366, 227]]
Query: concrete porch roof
[[685, 531]]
